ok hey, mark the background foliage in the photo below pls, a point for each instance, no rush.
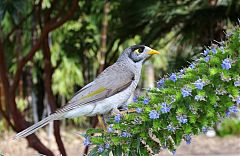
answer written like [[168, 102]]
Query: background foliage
[[49, 49]]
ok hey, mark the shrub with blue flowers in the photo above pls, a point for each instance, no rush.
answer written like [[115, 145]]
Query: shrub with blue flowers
[[184, 104]]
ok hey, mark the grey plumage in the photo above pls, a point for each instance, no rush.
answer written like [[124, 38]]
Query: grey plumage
[[110, 90], [113, 80]]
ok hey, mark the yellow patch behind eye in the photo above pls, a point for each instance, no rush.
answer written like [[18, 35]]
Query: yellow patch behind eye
[[137, 51]]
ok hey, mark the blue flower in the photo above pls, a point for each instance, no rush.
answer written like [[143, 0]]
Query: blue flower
[[125, 134], [228, 113], [192, 66], [171, 128], [135, 99], [153, 114], [204, 130], [188, 139], [199, 84], [233, 109], [100, 149], [207, 58], [139, 110], [160, 83], [238, 100], [182, 119], [110, 129], [146, 101], [186, 92], [182, 71], [237, 83], [180, 76], [226, 64], [117, 118], [107, 145], [199, 98], [206, 52], [214, 51], [87, 141], [165, 108], [173, 77]]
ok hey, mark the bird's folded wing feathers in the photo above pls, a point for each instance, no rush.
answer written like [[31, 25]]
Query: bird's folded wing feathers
[[112, 80]]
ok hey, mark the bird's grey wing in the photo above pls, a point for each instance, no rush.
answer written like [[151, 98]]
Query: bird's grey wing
[[112, 80]]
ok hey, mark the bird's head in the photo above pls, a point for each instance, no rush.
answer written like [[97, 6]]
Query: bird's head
[[138, 53]]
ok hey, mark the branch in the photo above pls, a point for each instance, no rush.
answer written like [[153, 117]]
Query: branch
[[48, 28], [38, 13], [54, 24], [4, 114], [50, 10], [23, 62], [61, 11], [19, 24], [6, 117], [51, 99], [3, 68]]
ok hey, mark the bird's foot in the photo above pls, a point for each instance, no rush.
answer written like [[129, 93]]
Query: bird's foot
[[102, 122], [128, 111], [115, 111]]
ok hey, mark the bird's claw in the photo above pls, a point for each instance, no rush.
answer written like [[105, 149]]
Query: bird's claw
[[115, 111], [128, 111], [102, 122]]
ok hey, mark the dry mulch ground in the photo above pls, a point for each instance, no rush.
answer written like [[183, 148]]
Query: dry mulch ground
[[201, 145]]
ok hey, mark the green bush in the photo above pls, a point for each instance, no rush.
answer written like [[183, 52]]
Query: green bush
[[229, 127], [184, 104]]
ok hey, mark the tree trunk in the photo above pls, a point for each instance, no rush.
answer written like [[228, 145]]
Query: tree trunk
[[18, 53], [103, 47], [48, 70], [19, 122]]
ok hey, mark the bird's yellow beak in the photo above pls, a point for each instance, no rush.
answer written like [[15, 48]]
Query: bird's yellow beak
[[152, 52]]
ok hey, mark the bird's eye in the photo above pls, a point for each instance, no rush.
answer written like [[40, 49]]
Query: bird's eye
[[139, 50]]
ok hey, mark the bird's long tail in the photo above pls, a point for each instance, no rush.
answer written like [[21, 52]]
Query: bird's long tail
[[36, 126]]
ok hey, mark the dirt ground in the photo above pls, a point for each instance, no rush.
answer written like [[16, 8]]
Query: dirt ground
[[200, 146]]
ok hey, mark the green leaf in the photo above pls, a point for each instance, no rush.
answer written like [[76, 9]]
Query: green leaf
[[117, 151], [116, 140], [94, 152], [97, 140], [213, 71], [187, 129], [93, 131], [105, 153]]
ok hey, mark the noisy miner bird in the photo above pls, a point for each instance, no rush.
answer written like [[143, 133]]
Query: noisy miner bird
[[109, 91]]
